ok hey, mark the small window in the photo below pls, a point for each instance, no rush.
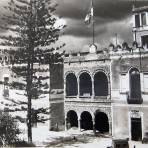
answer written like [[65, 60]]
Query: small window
[[144, 40], [6, 87], [143, 19], [137, 21], [74, 54], [66, 55], [6, 80]]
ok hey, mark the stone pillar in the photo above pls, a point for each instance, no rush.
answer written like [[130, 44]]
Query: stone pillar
[[110, 127], [65, 88], [93, 91], [79, 122], [78, 83], [66, 124], [93, 121]]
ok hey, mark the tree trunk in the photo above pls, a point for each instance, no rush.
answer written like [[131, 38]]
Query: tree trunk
[[29, 124], [29, 91]]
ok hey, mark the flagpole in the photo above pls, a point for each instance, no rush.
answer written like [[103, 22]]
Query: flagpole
[[93, 29]]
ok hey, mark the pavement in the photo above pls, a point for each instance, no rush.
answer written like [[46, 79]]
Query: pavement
[[137, 144]]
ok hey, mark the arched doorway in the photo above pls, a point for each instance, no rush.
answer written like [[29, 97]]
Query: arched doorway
[[85, 85], [72, 119], [100, 84], [86, 121], [135, 86], [71, 85], [101, 122]]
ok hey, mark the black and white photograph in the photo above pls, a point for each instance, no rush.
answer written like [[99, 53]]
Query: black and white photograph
[[74, 73]]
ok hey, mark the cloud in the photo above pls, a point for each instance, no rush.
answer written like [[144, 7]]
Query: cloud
[[107, 9], [78, 28], [111, 16], [106, 13]]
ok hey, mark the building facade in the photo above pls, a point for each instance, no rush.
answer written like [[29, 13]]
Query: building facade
[[129, 87], [87, 90], [107, 90]]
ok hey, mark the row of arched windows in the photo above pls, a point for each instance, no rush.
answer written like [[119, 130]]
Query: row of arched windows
[[84, 83]]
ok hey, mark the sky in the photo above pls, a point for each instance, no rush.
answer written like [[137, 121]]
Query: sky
[[111, 17]]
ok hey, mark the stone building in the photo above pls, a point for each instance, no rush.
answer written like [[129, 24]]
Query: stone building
[[140, 26], [107, 90], [129, 83], [87, 90]]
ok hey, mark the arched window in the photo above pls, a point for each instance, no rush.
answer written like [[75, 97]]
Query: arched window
[[86, 121], [71, 85], [100, 84], [101, 122], [72, 119], [85, 85], [135, 86]]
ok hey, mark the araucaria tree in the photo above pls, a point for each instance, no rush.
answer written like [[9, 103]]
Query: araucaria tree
[[32, 38]]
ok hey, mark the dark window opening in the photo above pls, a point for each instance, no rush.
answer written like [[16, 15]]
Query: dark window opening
[[143, 18], [144, 40], [85, 85], [135, 87], [6, 80], [6, 87], [66, 55], [86, 121], [71, 85], [100, 84], [136, 130], [74, 54], [137, 21], [72, 119], [101, 122]]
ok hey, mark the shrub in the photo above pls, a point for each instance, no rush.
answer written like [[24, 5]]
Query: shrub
[[22, 144], [8, 129]]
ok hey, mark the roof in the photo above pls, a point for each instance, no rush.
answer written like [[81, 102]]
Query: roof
[[140, 9]]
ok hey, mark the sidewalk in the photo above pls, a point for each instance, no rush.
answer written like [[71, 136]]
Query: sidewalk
[[137, 144]]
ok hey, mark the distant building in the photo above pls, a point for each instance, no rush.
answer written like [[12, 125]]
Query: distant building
[[53, 100]]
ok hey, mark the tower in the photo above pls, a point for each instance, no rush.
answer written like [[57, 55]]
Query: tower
[[140, 26]]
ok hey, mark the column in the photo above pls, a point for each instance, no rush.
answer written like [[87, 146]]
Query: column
[[142, 82], [109, 91], [94, 129], [110, 127], [66, 124], [78, 83], [146, 18], [93, 91], [79, 122], [65, 88]]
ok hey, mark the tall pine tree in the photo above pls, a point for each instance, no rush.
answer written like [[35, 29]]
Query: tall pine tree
[[33, 33]]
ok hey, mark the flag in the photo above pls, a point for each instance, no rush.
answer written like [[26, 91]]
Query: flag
[[89, 17]]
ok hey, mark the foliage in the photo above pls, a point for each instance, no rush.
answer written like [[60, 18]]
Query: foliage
[[22, 144], [8, 129], [32, 39]]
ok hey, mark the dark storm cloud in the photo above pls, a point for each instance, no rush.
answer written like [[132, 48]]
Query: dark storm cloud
[[78, 28], [107, 9]]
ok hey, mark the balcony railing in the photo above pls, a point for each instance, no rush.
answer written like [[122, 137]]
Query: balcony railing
[[134, 100]]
